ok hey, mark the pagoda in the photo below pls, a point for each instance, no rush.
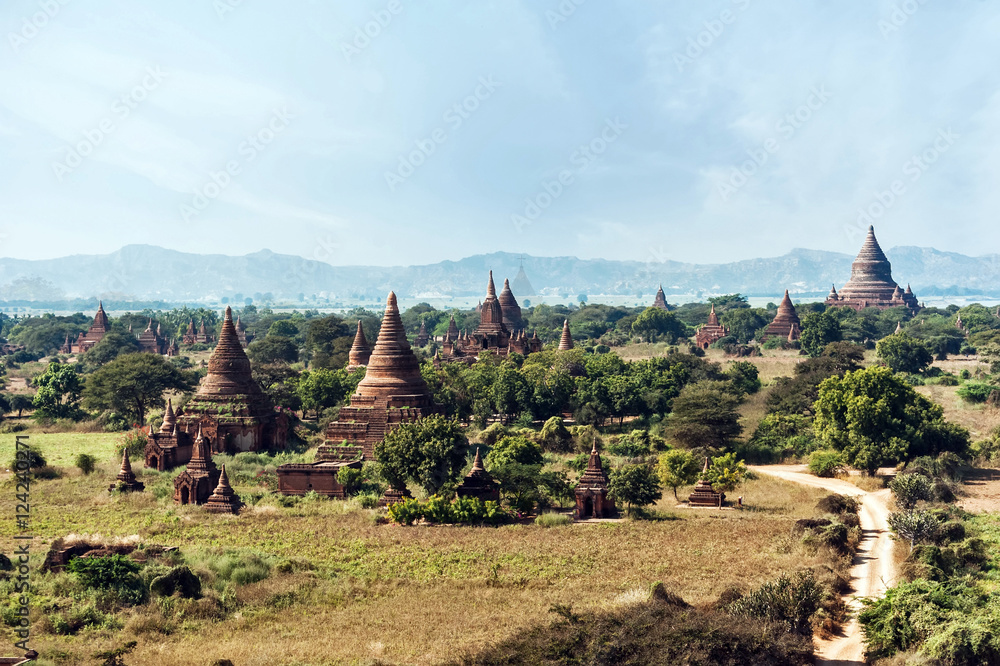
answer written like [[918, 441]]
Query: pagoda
[[592, 499], [493, 333], [190, 335], [511, 311], [704, 494], [711, 331], [393, 392], [478, 483], [566, 340], [224, 499], [229, 410], [871, 284], [86, 341], [660, 300], [152, 341], [422, 337], [126, 481], [786, 322], [360, 352], [194, 485]]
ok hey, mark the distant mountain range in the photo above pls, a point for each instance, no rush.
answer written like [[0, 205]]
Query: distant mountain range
[[150, 273]]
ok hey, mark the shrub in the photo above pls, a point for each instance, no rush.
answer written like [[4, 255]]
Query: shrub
[[180, 580], [351, 478], [116, 573], [34, 459], [789, 600], [636, 443], [913, 526], [553, 520], [133, 441], [976, 392], [240, 568], [86, 463], [436, 509], [908, 489], [839, 505], [826, 463]]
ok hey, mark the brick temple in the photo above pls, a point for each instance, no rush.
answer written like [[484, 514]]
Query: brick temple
[[202, 336], [704, 494], [501, 329], [195, 484], [86, 341], [566, 339], [478, 483], [392, 392], [229, 410], [871, 284], [660, 300], [786, 322], [711, 331], [592, 499]]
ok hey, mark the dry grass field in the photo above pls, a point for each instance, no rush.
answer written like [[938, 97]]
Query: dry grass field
[[352, 591]]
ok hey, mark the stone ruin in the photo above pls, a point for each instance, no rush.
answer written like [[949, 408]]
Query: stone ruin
[[704, 494], [196, 483], [711, 331], [786, 322], [478, 483], [224, 499], [126, 481], [592, 499]]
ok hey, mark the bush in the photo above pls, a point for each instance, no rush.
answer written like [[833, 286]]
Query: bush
[[86, 463], [133, 441], [908, 489], [240, 568], [32, 457], [180, 580], [467, 510], [351, 478], [790, 601], [826, 463], [633, 445], [116, 573], [976, 392], [553, 520], [839, 505]]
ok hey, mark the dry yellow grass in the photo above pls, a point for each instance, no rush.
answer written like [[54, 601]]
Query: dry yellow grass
[[979, 419], [414, 595]]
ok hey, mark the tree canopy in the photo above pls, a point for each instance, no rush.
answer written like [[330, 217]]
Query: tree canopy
[[131, 384]]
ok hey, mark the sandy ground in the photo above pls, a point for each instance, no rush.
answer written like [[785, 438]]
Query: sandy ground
[[981, 491], [872, 572]]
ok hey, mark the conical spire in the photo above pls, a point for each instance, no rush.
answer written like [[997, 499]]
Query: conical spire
[[224, 499], [491, 290], [491, 317], [713, 319], [228, 367], [392, 368], [511, 311], [660, 301], [594, 476], [169, 419], [452, 333], [566, 341], [126, 468], [100, 319], [477, 463], [149, 326], [126, 480], [786, 322], [899, 328], [360, 352]]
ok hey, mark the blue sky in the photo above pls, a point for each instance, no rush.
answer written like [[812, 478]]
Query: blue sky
[[598, 129]]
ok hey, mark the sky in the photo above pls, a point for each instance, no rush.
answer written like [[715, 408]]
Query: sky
[[389, 132]]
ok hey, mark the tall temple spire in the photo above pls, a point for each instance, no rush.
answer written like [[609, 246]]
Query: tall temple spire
[[224, 499], [360, 352], [228, 366], [566, 340], [393, 369], [491, 290]]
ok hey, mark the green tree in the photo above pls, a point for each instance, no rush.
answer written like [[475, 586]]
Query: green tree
[[704, 414], [744, 323], [904, 354], [745, 376], [4, 405], [273, 349], [110, 347], [514, 449], [635, 485], [321, 388], [654, 324], [58, 395], [132, 383], [677, 468], [430, 452], [908, 489], [20, 402], [726, 472], [913, 526], [877, 419], [818, 330]]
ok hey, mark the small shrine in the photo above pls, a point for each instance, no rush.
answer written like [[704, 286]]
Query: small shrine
[[126, 481], [194, 485], [224, 499], [478, 483], [704, 494], [592, 499]]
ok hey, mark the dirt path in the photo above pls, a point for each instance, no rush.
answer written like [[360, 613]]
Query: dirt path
[[872, 571]]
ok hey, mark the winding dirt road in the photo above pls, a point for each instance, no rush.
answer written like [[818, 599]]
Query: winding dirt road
[[872, 571]]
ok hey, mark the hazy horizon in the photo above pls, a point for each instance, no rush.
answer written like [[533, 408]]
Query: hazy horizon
[[387, 134]]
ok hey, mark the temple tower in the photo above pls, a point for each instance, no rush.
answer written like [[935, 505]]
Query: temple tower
[[360, 353], [566, 340]]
